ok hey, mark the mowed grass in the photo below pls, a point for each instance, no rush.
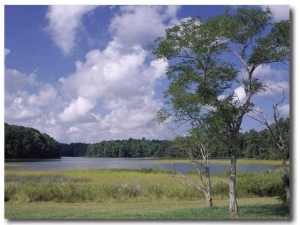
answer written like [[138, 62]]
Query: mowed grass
[[137, 194], [252, 208]]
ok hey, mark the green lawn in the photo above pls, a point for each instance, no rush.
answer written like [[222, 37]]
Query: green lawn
[[251, 208]]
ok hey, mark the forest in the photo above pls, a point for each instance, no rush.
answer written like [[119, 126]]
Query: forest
[[28, 143]]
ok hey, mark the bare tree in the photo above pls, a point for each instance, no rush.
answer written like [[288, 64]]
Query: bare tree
[[278, 138], [198, 152]]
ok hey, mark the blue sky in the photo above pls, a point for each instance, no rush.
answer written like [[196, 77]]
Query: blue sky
[[84, 74]]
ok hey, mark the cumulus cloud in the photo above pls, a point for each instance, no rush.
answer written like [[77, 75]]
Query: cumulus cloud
[[284, 110], [18, 110], [121, 82], [73, 129], [46, 95], [29, 101], [77, 110], [115, 76], [273, 88], [15, 80], [280, 12], [141, 24], [64, 21], [111, 93], [240, 94], [266, 71]]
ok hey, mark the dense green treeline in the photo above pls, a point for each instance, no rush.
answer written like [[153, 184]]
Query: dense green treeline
[[260, 145], [28, 143], [73, 149], [135, 148], [22, 142]]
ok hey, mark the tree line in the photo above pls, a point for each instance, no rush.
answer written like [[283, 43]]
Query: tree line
[[251, 144], [24, 143], [28, 143]]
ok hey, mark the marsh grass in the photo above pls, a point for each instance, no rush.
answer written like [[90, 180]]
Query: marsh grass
[[147, 184], [12, 165]]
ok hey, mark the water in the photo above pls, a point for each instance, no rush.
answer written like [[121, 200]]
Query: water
[[70, 163]]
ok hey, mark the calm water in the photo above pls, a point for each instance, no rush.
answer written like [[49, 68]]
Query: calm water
[[70, 163]]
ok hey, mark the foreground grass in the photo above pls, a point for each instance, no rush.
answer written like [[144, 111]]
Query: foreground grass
[[227, 161], [137, 194], [251, 208]]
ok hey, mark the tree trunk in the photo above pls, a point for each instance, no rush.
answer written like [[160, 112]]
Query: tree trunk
[[286, 177], [208, 183], [233, 207], [209, 200]]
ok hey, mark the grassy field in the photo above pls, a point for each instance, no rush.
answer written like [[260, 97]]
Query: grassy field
[[252, 208], [137, 194]]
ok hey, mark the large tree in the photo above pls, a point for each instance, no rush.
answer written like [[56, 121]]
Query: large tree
[[205, 58]]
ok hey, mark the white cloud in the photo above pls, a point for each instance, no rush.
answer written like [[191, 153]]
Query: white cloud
[[64, 21], [110, 95], [141, 24], [121, 81], [18, 110], [266, 70], [77, 110], [6, 51], [46, 96], [240, 94], [280, 12], [284, 110], [115, 75], [273, 88], [73, 129], [15, 80]]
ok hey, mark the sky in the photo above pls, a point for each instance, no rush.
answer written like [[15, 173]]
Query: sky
[[83, 73]]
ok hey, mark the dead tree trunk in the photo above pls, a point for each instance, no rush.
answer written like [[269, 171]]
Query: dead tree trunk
[[279, 141], [204, 185], [233, 206]]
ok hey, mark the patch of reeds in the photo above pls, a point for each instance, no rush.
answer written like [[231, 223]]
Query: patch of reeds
[[130, 185]]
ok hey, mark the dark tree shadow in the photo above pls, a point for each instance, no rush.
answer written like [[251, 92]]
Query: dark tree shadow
[[278, 211]]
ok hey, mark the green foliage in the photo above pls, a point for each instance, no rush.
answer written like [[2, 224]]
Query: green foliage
[[73, 149], [260, 145], [10, 191], [135, 148], [28, 143], [204, 59], [251, 144]]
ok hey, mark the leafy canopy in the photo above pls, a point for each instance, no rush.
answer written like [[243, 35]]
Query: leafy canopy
[[205, 57]]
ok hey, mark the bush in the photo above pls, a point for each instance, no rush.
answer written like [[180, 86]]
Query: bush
[[264, 184], [10, 191]]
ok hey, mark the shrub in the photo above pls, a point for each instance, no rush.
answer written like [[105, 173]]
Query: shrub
[[264, 184], [10, 191]]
